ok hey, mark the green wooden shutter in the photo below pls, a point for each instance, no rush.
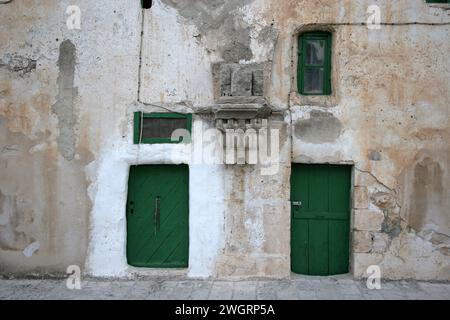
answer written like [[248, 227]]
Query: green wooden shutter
[[314, 63], [158, 127]]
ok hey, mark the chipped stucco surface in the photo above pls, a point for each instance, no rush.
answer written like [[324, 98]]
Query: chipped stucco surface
[[66, 143], [49, 135]]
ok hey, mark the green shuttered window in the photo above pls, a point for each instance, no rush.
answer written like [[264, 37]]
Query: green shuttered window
[[159, 127], [314, 63], [438, 1]]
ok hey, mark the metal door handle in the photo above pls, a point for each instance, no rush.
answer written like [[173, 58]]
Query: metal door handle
[[157, 214], [297, 203]]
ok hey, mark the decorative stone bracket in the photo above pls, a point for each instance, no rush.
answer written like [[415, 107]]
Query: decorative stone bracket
[[239, 92]]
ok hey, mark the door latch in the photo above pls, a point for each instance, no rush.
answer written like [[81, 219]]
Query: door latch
[[297, 203], [157, 215]]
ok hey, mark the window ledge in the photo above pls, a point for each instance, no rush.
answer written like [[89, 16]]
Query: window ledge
[[327, 101], [445, 6]]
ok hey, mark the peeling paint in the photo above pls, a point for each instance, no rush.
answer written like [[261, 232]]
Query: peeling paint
[[222, 17], [66, 106], [17, 63], [11, 238], [321, 127]]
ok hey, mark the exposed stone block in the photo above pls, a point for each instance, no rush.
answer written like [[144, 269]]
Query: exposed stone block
[[274, 267], [361, 198], [239, 81], [225, 79], [364, 179], [384, 200], [368, 220], [380, 242], [364, 260], [362, 241], [241, 84], [236, 266], [258, 83], [275, 224]]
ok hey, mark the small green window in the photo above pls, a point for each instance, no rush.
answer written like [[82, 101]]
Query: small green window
[[314, 63], [159, 127], [438, 1]]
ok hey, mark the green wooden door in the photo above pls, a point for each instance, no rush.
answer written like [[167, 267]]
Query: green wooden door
[[157, 216], [320, 224]]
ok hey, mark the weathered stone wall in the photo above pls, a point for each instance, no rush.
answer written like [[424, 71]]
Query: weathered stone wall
[[63, 99], [67, 98]]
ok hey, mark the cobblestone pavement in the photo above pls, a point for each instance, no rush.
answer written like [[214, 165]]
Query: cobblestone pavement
[[302, 288]]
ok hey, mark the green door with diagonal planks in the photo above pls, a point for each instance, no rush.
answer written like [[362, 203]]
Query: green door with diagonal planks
[[320, 219], [158, 216]]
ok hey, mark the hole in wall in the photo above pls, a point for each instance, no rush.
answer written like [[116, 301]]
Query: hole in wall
[[146, 4]]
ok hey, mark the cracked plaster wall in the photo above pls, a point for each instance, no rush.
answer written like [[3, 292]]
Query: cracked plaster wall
[[378, 119], [63, 177], [62, 98]]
